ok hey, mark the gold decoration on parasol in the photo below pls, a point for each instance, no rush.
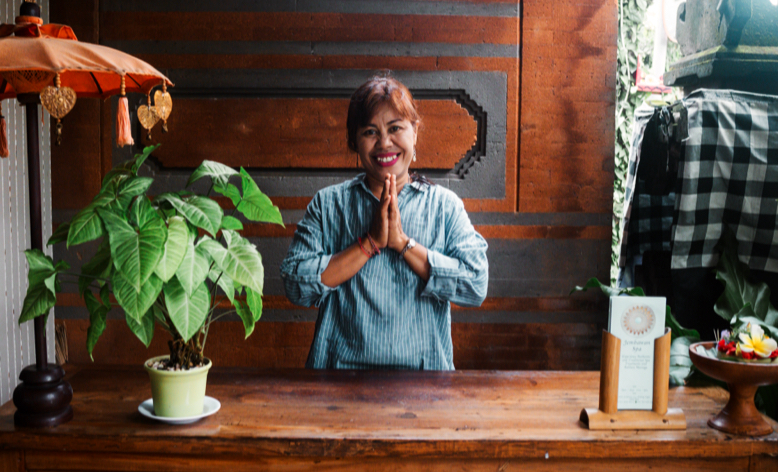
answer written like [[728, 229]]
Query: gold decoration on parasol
[[58, 101]]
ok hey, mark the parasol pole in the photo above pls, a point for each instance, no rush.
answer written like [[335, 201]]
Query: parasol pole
[[42, 399]]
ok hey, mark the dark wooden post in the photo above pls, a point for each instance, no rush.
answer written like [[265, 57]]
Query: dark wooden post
[[43, 398]]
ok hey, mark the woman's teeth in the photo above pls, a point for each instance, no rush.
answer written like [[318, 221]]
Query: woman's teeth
[[385, 159]]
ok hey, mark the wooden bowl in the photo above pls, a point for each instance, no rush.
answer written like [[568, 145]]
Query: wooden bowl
[[740, 415]]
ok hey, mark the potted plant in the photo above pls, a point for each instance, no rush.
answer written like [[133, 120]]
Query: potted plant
[[164, 259]]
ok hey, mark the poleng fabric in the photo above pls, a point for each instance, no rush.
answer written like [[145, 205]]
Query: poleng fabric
[[729, 176]]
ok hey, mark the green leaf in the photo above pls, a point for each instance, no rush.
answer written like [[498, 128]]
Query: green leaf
[[135, 255], [224, 282], [59, 235], [229, 191], [136, 304], [607, 289], [86, 225], [200, 211], [41, 289], [143, 329], [140, 158], [135, 186], [174, 250], [254, 301], [676, 329], [98, 267], [739, 290], [255, 205], [116, 176], [232, 223], [219, 173], [193, 268], [97, 315], [241, 262], [187, 312], [246, 316], [680, 363]]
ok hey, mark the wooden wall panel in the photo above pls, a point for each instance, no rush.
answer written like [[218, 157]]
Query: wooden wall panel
[[306, 133], [517, 100], [567, 106]]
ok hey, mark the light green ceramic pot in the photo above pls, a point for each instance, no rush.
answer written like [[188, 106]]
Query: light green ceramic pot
[[177, 394]]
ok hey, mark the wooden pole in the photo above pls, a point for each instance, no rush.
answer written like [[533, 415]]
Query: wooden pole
[[42, 399]]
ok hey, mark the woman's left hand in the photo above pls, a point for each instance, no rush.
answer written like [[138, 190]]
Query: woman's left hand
[[397, 238]]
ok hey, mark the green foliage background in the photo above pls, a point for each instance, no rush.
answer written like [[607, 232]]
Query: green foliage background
[[635, 39]]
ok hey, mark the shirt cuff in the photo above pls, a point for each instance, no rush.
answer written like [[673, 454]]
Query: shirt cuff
[[444, 272]]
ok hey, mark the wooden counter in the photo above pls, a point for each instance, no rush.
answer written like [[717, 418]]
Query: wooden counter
[[298, 419]]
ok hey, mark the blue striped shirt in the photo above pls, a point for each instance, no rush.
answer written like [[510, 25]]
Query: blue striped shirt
[[386, 316]]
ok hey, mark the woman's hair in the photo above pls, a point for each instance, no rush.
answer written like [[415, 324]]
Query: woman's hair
[[367, 98]]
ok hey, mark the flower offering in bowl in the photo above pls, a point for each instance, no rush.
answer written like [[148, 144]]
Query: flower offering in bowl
[[747, 344]]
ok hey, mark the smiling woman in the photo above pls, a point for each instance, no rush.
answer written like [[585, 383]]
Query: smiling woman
[[384, 254]]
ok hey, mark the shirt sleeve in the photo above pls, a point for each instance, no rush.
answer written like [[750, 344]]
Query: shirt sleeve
[[306, 260], [460, 274]]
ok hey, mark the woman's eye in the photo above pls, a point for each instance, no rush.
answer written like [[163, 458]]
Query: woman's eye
[[394, 129], [368, 132]]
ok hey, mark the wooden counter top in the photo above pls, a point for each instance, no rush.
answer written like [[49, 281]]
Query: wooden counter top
[[280, 416]]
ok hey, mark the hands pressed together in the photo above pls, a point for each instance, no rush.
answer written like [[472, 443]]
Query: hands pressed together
[[387, 230]]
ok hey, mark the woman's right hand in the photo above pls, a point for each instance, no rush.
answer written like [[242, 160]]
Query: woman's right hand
[[379, 230]]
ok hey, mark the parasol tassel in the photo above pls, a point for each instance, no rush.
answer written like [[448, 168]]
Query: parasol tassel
[[3, 137], [123, 130]]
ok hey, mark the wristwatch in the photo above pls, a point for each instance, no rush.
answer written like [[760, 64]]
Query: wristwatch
[[411, 244]]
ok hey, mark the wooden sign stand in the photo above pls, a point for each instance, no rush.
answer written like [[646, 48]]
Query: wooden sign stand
[[607, 415]]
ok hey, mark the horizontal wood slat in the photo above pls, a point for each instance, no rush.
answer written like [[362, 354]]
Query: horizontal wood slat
[[297, 133], [538, 346], [286, 26]]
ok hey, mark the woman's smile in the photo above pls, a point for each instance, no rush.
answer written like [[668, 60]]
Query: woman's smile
[[387, 159]]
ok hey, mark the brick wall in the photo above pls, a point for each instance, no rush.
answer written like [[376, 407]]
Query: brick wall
[[517, 101]]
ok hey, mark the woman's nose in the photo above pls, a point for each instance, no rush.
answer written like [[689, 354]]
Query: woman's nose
[[385, 140]]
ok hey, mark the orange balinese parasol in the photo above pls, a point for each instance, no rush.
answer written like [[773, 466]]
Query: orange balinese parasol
[[46, 64]]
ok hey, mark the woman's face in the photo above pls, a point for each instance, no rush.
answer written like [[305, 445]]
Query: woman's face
[[385, 145]]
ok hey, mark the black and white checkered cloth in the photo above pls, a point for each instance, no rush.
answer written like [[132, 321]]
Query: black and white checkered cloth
[[646, 220], [729, 175]]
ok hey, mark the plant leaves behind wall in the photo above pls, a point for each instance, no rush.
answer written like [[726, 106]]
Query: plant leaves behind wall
[[174, 250], [218, 172], [607, 289], [680, 362], [241, 262], [97, 315], [41, 289], [136, 304], [255, 205], [143, 330], [186, 312], [741, 297]]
